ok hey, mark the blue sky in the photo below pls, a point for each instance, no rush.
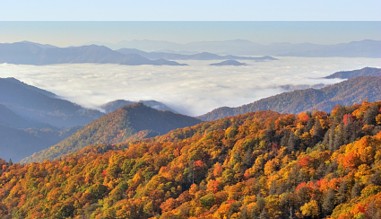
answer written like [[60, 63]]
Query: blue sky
[[75, 33], [67, 33], [194, 10]]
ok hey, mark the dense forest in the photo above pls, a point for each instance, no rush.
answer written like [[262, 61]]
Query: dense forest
[[256, 165]]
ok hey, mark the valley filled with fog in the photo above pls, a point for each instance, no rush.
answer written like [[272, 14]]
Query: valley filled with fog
[[193, 90]]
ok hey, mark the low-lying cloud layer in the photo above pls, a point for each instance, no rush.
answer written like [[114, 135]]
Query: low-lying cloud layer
[[192, 90]]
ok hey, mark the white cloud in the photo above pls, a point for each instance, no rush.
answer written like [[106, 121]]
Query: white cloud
[[193, 90]]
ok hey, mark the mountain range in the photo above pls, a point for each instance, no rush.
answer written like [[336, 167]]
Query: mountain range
[[354, 90], [30, 53], [197, 56], [362, 48], [32, 119], [131, 122]]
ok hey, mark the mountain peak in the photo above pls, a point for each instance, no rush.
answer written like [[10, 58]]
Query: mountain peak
[[116, 104], [230, 62], [135, 121]]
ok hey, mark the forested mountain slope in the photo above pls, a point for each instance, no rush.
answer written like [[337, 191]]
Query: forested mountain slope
[[348, 92], [367, 71], [257, 165], [132, 122]]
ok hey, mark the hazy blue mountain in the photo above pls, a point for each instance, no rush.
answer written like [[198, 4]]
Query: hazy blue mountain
[[229, 62], [38, 105], [29, 118], [117, 104], [356, 73], [197, 56], [146, 45], [10, 119], [131, 122], [349, 92], [363, 48], [38, 54], [17, 143], [221, 47]]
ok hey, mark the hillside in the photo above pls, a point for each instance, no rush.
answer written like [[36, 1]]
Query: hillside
[[37, 54], [356, 73], [352, 91], [39, 105], [132, 122], [257, 165]]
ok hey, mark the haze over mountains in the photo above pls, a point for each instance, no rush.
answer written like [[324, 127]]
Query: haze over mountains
[[32, 119], [30, 53], [197, 56], [42, 106], [37, 54], [362, 48], [354, 90], [40, 54]]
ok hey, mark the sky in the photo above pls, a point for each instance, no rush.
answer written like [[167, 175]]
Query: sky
[[76, 33], [69, 33], [194, 10]]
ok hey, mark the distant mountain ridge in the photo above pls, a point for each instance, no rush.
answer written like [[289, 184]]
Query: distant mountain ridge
[[37, 54], [197, 56], [132, 122], [368, 71], [349, 92], [361, 48]]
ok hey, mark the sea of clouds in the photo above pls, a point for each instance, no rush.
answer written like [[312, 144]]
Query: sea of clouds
[[193, 90]]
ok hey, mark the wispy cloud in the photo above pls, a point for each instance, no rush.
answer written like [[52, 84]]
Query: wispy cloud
[[193, 90]]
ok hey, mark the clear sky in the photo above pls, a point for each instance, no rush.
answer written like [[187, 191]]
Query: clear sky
[[75, 33], [200, 10]]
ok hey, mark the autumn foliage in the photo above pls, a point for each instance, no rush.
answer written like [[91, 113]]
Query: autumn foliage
[[257, 165]]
